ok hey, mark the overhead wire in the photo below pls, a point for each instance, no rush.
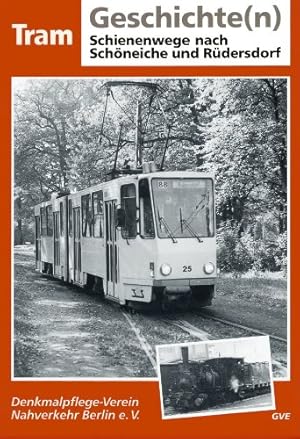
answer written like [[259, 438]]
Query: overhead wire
[[103, 118], [152, 96]]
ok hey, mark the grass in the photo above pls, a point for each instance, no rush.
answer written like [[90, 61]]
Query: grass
[[255, 285]]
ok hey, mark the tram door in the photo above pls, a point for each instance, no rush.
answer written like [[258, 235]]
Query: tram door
[[111, 249], [37, 242], [56, 244], [77, 244]]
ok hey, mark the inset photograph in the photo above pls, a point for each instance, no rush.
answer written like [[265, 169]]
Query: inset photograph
[[215, 377]]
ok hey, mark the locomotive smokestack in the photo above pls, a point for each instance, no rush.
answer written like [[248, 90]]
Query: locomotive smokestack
[[185, 354]]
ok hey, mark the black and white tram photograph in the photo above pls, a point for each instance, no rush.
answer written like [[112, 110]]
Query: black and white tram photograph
[[216, 377], [147, 212]]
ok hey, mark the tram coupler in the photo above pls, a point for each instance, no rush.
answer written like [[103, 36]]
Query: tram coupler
[[176, 295]]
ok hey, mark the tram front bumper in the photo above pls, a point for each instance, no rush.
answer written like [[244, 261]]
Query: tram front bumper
[[174, 293], [183, 283]]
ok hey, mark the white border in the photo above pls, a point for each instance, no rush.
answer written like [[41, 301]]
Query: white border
[[212, 412], [241, 35], [132, 379]]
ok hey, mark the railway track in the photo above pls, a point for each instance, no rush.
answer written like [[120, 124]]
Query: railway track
[[147, 348], [178, 323], [198, 333], [239, 326], [189, 328]]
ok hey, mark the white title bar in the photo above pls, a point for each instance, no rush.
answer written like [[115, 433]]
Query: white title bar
[[193, 33]]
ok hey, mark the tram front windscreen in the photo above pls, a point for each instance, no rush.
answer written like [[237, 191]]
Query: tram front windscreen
[[183, 207]]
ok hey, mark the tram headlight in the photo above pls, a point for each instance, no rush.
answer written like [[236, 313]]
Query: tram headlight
[[165, 269], [209, 268]]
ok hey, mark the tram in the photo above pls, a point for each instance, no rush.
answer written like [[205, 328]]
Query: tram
[[138, 239]]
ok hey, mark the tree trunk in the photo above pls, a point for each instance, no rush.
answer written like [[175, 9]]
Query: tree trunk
[[19, 238]]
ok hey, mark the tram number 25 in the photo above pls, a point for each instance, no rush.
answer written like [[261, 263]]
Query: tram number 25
[[186, 268]]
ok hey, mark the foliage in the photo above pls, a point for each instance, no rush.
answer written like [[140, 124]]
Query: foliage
[[250, 251], [67, 131]]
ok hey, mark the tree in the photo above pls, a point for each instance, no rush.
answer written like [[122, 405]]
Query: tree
[[246, 147], [69, 133]]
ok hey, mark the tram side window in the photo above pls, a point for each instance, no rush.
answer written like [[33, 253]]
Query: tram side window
[[128, 203], [61, 215], [43, 221], [98, 214], [70, 218], [87, 216], [146, 215], [49, 220]]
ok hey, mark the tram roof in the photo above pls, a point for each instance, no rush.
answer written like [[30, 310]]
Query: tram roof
[[177, 174], [162, 175], [133, 177]]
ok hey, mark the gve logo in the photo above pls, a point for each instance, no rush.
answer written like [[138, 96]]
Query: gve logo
[[277, 416]]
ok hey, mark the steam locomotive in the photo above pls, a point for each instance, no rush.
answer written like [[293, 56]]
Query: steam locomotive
[[189, 386]]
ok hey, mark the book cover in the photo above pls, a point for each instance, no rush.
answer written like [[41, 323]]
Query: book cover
[[149, 252]]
